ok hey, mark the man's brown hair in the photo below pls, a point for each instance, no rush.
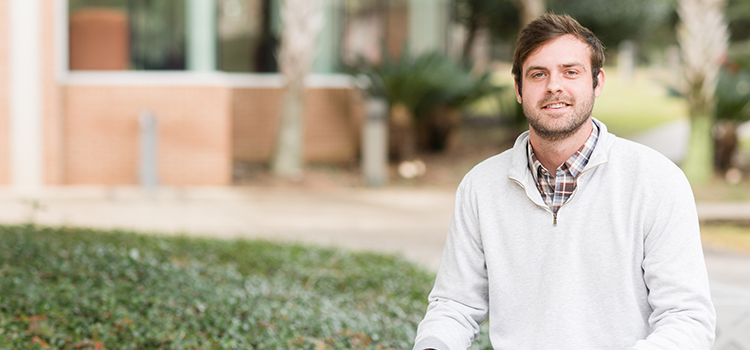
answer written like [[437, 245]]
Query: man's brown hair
[[547, 28]]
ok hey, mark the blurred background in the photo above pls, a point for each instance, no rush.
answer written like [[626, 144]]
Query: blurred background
[[191, 92], [344, 123]]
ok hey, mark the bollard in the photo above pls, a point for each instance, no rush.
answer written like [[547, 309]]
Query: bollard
[[375, 142], [149, 133]]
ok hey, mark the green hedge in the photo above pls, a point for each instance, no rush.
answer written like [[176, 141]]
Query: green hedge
[[69, 288]]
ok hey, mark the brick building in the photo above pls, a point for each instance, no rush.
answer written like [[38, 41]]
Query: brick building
[[79, 73]]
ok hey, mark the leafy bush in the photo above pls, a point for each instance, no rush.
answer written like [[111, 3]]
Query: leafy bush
[[732, 101], [425, 82], [426, 94], [733, 88], [72, 288]]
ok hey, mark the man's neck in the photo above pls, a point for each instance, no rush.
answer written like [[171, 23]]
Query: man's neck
[[552, 154]]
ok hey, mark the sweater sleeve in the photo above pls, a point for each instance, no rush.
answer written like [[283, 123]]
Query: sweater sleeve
[[458, 303], [674, 271]]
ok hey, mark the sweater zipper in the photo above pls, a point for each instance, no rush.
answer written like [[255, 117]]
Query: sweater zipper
[[554, 215]]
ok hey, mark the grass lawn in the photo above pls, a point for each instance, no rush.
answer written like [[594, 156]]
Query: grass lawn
[[717, 189], [82, 289], [643, 103], [727, 237], [66, 288]]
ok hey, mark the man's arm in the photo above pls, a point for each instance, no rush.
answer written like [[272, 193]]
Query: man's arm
[[459, 300], [674, 271]]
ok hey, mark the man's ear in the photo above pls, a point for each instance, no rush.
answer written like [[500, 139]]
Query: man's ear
[[600, 83], [517, 91]]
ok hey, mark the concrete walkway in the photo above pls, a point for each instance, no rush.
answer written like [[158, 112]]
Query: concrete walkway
[[671, 139], [410, 222]]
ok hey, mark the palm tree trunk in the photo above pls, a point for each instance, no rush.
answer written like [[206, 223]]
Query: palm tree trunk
[[470, 36], [703, 38], [530, 10], [403, 134], [288, 159], [725, 143], [302, 20], [698, 164]]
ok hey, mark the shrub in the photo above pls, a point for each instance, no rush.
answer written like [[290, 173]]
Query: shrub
[[70, 288], [426, 93], [425, 82], [732, 105]]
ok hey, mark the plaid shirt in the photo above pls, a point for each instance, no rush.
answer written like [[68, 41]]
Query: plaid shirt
[[556, 190]]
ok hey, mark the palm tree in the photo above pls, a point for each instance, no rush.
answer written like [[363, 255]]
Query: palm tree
[[704, 40], [302, 21], [732, 108], [530, 10]]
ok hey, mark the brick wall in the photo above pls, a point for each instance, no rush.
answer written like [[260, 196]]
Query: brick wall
[[332, 126], [4, 98], [255, 115], [91, 136], [332, 122], [102, 134], [202, 130]]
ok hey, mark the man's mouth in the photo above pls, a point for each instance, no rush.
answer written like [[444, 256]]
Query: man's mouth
[[557, 105]]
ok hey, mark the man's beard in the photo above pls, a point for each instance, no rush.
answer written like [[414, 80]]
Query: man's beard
[[563, 126]]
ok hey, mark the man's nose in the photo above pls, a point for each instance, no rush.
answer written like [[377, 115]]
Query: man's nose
[[554, 84]]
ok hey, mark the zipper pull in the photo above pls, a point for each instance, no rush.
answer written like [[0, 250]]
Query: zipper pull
[[554, 221]]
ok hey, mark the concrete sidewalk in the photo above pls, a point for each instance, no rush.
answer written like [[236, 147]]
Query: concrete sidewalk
[[410, 222]]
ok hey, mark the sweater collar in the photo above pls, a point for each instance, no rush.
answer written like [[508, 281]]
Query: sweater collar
[[520, 172]]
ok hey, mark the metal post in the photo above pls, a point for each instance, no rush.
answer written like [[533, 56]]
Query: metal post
[[375, 142], [149, 162]]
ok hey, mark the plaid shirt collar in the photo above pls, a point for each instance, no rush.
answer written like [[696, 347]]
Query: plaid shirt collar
[[558, 188]]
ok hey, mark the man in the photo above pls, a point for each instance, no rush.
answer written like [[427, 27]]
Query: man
[[574, 238]]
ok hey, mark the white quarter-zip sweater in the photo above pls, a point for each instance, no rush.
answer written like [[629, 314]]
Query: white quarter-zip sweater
[[621, 269]]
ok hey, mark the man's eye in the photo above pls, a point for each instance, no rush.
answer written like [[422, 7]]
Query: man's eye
[[571, 72], [537, 75]]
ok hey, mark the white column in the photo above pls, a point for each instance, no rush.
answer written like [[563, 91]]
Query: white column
[[201, 35], [426, 25], [25, 95]]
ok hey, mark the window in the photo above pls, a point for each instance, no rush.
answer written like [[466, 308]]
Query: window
[[248, 33], [127, 34], [226, 35]]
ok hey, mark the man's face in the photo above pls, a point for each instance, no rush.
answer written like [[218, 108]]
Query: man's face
[[557, 88]]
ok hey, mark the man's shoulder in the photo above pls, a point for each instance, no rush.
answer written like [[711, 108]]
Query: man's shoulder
[[620, 150], [640, 160], [489, 175], [494, 165], [637, 152]]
